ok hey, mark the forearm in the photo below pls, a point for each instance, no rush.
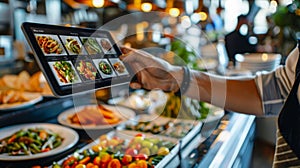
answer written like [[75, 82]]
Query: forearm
[[239, 95]]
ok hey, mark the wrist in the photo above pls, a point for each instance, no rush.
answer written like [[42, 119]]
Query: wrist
[[183, 80], [177, 74]]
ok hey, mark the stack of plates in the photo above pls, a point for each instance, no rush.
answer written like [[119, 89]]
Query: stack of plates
[[258, 61]]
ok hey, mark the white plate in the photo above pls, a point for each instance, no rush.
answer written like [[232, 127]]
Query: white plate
[[33, 99], [70, 139], [124, 113]]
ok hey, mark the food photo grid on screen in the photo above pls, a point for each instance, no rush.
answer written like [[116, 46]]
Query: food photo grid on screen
[[90, 60], [76, 59]]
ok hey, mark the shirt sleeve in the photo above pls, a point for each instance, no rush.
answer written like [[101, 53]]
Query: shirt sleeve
[[274, 86]]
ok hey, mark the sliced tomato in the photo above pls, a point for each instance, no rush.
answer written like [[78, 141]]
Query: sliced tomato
[[126, 159], [141, 164], [131, 151], [140, 135], [46, 150], [114, 163], [97, 160], [141, 156]]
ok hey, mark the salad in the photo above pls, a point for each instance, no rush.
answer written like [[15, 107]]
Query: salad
[[86, 70], [140, 152], [105, 68], [30, 141], [65, 71]]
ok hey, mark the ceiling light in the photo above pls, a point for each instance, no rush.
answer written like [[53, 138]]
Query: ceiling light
[[98, 3], [146, 7], [174, 12]]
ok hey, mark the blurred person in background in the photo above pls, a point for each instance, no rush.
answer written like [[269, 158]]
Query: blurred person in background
[[238, 41]]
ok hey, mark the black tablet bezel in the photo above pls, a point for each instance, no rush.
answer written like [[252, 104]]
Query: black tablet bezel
[[30, 29]]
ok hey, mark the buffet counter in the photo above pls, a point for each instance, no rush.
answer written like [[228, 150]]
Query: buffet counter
[[225, 143], [230, 144]]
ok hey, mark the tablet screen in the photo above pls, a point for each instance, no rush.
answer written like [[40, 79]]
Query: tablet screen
[[76, 59]]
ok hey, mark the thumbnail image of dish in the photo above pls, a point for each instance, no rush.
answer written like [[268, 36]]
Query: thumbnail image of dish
[[73, 45], [50, 44], [118, 66], [65, 73], [91, 45], [104, 68], [106, 45], [86, 70]]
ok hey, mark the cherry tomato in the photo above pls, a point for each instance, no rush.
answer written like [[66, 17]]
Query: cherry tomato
[[105, 158], [91, 165], [114, 163], [132, 165], [36, 166], [141, 164], [141, 156], [140, 135], [131, 152], [69, 161], [80, 166], [74, 164], [97, 160], [103, 165], [126, 159], [96, 148]]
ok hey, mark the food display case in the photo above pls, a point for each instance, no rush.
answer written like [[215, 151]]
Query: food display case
[[223, 143]]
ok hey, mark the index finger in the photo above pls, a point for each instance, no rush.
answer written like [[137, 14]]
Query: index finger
[[126, 50]]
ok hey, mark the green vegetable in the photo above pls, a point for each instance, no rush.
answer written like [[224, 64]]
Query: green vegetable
[[26, 142], [91, 45], [105, 68], [66, 72], [56, 166]]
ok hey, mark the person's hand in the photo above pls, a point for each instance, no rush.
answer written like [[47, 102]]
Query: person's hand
[[152, 72]]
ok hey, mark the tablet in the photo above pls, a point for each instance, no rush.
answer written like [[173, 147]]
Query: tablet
[[75, 59]]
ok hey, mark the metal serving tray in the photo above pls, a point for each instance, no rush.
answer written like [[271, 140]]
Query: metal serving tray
[[127, 136], [159, 120]]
